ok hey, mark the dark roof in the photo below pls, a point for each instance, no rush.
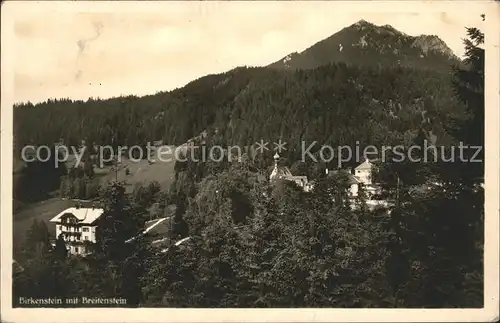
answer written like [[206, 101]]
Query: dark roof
[[364, 165], [159, 230], [351, 179]]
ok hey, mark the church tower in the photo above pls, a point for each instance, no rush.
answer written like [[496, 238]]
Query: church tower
[[275, 171], [279, 172]]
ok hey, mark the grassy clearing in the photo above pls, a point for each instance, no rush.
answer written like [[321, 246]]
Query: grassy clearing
[[140, 172]]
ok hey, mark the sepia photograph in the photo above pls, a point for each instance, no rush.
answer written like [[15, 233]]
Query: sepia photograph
[[277, 160]]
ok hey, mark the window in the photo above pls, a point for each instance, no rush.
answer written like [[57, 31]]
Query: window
[[85, 229], [86, 237], [76, 249], [77, 237]]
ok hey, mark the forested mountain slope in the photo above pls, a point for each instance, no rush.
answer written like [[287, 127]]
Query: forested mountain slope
[[352, 74], [332, 103], [341, 103]]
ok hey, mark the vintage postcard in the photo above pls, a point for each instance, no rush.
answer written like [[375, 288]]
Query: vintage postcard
[[256, 161]]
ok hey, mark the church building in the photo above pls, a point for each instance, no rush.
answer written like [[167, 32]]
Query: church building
[[282, 172]]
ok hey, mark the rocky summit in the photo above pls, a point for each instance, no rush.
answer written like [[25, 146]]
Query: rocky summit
[[364, 43]]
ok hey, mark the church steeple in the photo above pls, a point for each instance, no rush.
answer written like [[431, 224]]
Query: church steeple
[[275, 171], [276, 159]]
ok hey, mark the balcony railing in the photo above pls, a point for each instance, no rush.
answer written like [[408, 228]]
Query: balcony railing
[[71, 233]]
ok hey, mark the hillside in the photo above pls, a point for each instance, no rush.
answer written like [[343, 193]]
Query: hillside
[[338, 96], [141, 172], [364, 43], [209, 102]]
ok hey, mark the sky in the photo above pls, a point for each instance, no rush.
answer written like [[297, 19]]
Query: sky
[[81, 50]]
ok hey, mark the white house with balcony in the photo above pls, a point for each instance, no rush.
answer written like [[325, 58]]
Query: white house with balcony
[[77, 225]]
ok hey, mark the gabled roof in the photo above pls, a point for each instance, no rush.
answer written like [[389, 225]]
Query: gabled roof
[[84, 215], [178, 243], [364, 165], [157, 226], [351, 179], [301, 180], [280, 172], [298, 177]]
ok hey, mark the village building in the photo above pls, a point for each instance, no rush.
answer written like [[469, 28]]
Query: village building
[[364, 172], [78, 228], [282, 172], [353, 182], [361, 177]]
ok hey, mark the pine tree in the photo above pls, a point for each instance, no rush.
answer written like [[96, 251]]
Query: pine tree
[[64, 190], [60, 250], [118, 223], [119, 257], [37, 238], [469, 86], [437, 230], [179, 226]]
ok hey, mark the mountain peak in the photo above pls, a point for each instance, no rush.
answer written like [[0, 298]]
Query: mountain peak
[[364, 43], [362, 25], [363, 22], [429, 43]]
